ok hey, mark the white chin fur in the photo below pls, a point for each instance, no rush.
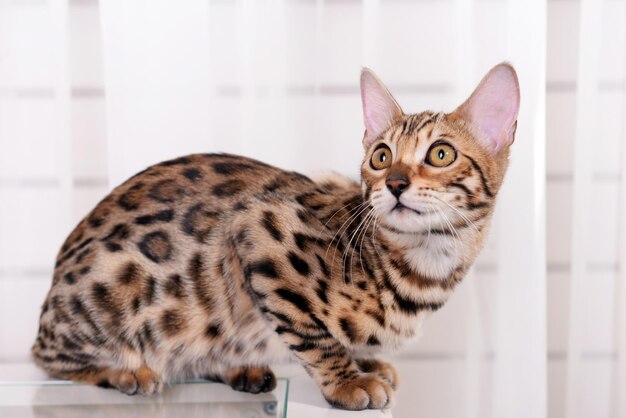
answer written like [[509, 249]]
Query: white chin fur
[[432, 255], [408, 221], [415, 217]]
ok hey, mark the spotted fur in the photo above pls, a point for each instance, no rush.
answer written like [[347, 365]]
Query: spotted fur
[[215, 265]]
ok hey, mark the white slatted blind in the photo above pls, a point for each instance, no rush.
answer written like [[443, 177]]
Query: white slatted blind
[[36, 182], [521, 296], [621, 278], [586, 115], [156, 66]]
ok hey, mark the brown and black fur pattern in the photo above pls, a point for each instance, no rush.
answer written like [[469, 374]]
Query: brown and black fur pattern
[[217, 266]]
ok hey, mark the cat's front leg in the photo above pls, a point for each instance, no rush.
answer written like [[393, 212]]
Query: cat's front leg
[[344, 381]]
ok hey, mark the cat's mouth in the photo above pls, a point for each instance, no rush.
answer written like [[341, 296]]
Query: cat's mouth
[[400, 207]]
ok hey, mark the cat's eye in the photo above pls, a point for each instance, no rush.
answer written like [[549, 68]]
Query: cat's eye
[[441, 155], [381, 158]]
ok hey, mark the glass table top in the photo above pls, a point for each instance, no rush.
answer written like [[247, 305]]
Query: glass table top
[[52, 399]]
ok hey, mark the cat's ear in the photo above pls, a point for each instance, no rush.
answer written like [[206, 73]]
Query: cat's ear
[[492, 108], [380, 109]]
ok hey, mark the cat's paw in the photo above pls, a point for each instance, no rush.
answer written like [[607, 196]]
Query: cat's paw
[[250, 379], [365, 391], [143, 381], [148, 381], [381, 368]]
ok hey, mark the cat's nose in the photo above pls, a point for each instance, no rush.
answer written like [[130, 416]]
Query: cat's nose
[[397, 184]]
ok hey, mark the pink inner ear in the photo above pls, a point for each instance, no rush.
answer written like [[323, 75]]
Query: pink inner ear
[[493, 107], [379, 107]]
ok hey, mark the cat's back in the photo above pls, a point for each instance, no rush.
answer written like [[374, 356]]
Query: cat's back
[[170, 207], [181, 191]]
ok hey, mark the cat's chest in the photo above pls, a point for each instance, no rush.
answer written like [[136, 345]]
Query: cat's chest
[[435, 257]]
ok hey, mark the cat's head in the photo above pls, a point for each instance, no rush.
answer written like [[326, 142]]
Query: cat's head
[[434, 170]]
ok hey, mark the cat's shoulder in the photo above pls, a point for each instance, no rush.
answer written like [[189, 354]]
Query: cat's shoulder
[[333, 181]]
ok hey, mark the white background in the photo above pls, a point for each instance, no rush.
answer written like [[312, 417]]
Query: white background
[[92, 92]]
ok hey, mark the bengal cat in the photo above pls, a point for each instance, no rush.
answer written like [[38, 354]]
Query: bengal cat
[[216, 266]]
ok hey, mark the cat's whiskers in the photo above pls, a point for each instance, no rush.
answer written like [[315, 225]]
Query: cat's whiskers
[[456, 194], [372, 218], [345, 225], [361, 234], [441, 221], [461, 214], [375, 199], [344, 257], [355, 213], [374, 240], [335, 214], [429, 231], [356, 234], [451, 228]]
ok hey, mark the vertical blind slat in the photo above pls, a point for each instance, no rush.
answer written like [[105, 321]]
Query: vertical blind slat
[[60, 27], [371, 16], [520, 333], [586, 112], [621, 277]]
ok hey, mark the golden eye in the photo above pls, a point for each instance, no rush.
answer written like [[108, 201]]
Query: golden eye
[[381, 158], [441, 155]]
